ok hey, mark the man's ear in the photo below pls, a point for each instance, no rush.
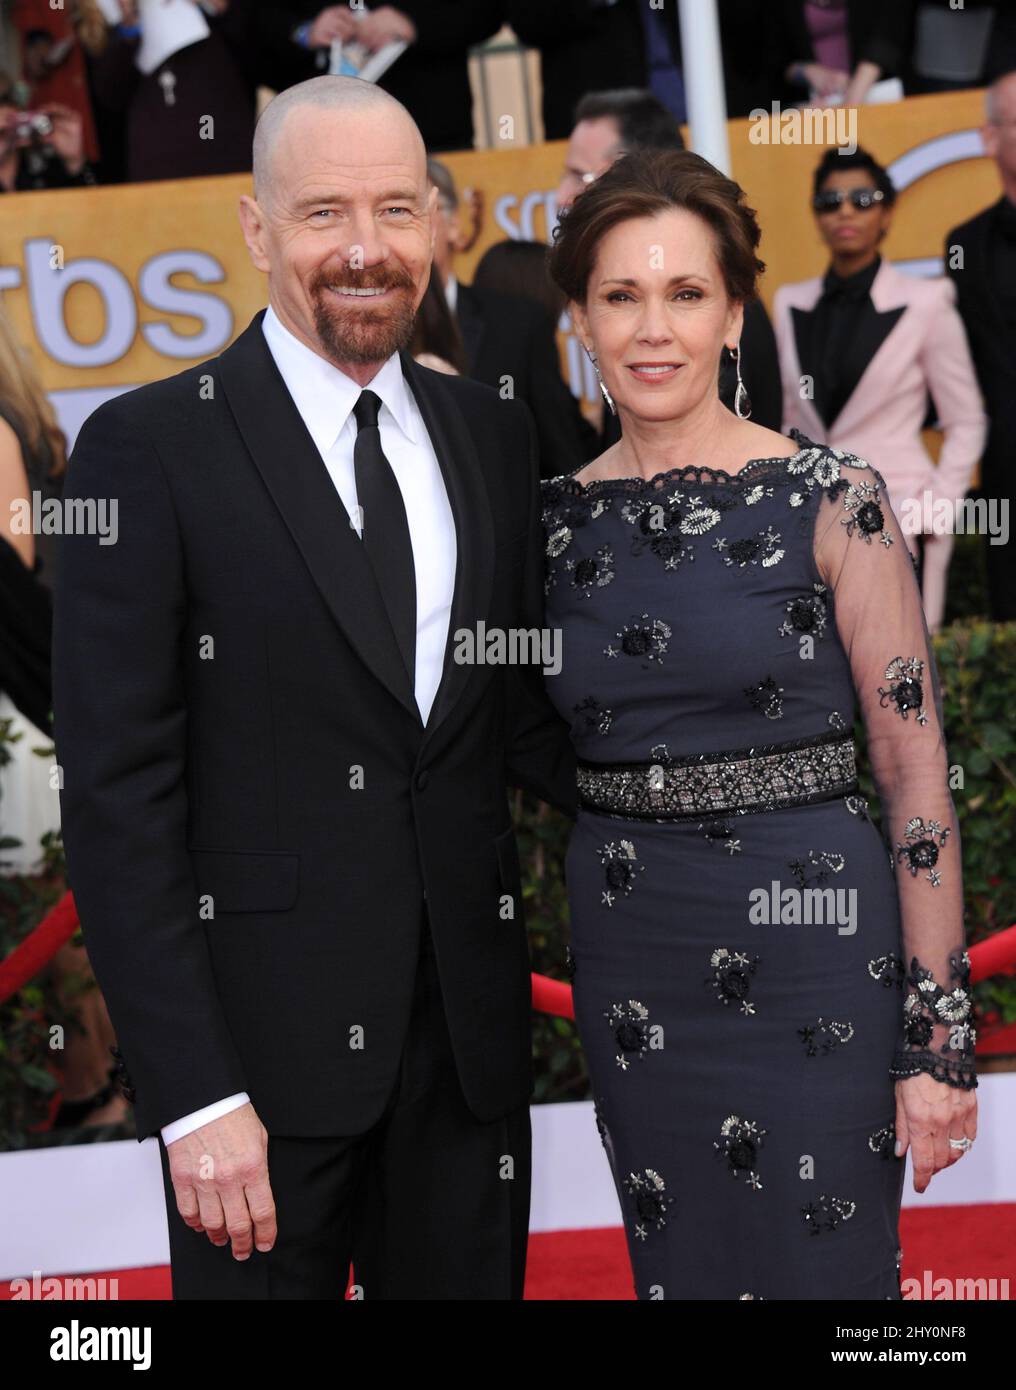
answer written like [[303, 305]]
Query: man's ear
[[252, 223], [431, 218]]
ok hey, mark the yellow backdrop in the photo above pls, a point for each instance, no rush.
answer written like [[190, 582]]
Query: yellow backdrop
[[112, 316]]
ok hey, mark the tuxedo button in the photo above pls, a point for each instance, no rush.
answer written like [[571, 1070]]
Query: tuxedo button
[[422, 778]]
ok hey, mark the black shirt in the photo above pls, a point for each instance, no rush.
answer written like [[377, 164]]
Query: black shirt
[[840, 316]]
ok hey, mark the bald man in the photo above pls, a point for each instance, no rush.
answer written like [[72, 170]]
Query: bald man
[[285, 749]]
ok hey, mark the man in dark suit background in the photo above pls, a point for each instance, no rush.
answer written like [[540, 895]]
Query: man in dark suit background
[[981, 258], [284, 766], [509, 344], [431, 77]]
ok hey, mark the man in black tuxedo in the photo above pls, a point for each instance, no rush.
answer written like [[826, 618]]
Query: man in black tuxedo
[[508, 338], [284, 799], [981, 258]]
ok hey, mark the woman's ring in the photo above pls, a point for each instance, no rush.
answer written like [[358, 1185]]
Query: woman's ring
[[963, 1143]]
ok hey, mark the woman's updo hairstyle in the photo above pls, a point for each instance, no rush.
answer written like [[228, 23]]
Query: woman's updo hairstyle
[[646, 183]]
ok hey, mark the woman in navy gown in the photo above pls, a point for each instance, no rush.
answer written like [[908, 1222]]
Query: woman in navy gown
[[771, 992]]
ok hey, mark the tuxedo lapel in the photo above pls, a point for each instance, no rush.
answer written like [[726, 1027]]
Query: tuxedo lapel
[[474, 526], [890, 300], [874, 328], [298, 481]]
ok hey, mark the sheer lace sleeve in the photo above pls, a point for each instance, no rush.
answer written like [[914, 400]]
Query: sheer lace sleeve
[[862, 557]]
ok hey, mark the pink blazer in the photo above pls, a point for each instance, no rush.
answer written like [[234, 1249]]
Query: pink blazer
[[881, 422]]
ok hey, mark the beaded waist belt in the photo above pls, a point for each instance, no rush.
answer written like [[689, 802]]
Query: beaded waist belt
[[764, 778]]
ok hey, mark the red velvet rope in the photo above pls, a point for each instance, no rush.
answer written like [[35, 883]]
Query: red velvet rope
[[996, 956], [38, 948]]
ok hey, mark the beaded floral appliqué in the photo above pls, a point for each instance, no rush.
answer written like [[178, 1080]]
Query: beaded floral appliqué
[[594, 572], [765, 697], [620, 865], [644, 637], [827, 1213], [922, 848], [861, 501], [629, 1024], [814, 871], [888, 970], [732, 975], [806, 614], [596, 718], [928, 1004], [739, 1143], [660, 525], [762, 548], [883, 1141], [651, 1201], [720, 832], [823, 1036], [817, 467], [905, 691]]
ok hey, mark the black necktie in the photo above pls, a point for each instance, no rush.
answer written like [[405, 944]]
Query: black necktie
[[385, 528]]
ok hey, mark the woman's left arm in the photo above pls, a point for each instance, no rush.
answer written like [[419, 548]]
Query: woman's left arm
[[862, 557], [949, 371]]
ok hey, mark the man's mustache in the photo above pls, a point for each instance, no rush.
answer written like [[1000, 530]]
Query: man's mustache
[[378, 278]]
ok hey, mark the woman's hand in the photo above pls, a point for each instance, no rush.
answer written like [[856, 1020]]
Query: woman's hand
[[928, 1114]]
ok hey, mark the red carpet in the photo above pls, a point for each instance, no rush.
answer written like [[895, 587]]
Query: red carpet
[[970, 1242]]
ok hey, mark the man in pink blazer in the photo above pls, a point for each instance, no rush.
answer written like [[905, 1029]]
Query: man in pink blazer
[[861, 349]]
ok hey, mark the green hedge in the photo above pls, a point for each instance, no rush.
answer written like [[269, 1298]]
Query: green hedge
[[27, 1062]]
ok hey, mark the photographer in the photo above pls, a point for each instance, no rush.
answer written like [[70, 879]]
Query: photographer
[[40, 149]]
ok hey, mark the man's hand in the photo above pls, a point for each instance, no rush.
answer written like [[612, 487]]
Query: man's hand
[[928, 1114], [384, 25], [220, 1177], [825, 81], [334, 22]]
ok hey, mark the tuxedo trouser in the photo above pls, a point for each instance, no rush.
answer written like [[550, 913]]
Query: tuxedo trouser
[[429, 1203]]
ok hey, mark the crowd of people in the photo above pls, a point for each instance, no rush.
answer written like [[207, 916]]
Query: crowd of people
[[89, 96], [84, 108]]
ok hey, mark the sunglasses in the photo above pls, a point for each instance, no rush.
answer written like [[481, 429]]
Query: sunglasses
[[861, 198]]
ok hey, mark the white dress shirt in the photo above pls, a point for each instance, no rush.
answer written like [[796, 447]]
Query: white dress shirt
[[325, 397], [451, 291]]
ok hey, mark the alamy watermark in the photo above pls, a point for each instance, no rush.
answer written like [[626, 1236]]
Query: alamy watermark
[[513, 646], [67, 516], [804, 125]]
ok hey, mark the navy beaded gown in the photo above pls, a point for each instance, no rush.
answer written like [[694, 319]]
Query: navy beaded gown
[[754, 961]]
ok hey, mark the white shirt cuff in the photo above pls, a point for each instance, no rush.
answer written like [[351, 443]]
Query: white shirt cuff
[[197, 1118]]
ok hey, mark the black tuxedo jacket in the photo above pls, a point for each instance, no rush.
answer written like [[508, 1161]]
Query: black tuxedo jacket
[[504, 336], [992, 345], [238, 737]]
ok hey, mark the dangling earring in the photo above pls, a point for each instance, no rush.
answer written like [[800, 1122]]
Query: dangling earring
[[603, 385], [742, 401]]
